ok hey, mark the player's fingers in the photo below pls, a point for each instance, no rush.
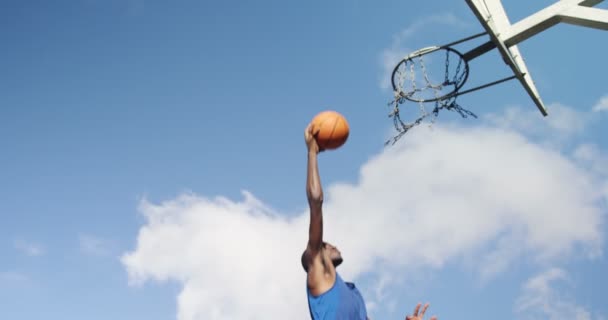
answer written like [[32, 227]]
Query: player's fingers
[[314, 127], [434, 318], [408, 317], [416, 310], [426, 305], [308, 132]]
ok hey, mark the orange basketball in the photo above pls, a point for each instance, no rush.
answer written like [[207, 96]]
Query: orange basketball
[[330, 129]]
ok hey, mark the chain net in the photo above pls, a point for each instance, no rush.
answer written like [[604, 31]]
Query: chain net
[[412, 82]]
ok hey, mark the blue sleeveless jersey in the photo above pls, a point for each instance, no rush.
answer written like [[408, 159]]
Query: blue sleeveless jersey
[[342, 302]]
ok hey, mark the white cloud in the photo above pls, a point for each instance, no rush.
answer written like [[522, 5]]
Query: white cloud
[[29, 248], [601, 105], [12, 277], [235, 259], [437, 196], [561, 123], [462, 188], [541, 299], [592, 156], [95, 246]]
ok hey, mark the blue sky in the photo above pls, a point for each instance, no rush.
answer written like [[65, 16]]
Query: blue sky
[[153, 163]]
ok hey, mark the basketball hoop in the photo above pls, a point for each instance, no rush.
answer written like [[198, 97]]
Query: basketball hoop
[[412, 81], [433, 86]]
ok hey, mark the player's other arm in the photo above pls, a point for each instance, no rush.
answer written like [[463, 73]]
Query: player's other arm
[[419, 316]]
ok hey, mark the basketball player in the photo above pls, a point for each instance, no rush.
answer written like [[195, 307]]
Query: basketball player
[[329, 296]]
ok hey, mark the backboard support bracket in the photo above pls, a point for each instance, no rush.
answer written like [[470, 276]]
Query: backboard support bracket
[[505, 36]]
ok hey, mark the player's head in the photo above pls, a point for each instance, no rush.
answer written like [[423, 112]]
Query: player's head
[[333, 253]]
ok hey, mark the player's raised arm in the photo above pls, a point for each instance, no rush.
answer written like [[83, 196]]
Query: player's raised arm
[[314, 192]]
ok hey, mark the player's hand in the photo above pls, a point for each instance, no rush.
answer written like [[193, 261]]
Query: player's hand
[[309, 138], [419, 316]]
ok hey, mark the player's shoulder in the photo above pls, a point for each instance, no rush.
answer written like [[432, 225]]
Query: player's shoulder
[[313, 258], [320, 272]]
